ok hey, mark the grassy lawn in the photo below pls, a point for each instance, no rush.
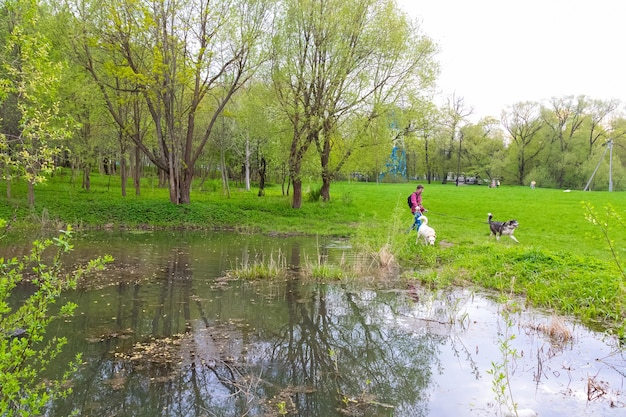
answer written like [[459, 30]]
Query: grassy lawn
[[563, 261]]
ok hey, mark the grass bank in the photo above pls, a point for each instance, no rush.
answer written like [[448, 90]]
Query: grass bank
[[564, 261]]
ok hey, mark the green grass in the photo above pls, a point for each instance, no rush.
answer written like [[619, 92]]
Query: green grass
[[563, 261]]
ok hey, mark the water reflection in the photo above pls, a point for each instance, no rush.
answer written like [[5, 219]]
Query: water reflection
[[164, 333], [245, 349]]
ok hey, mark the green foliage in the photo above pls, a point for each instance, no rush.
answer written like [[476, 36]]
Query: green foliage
[[327, 272], [314, 195], [31, 77], [260, 268], [610, 221], [25, 354], [501, 371], [320, 269]]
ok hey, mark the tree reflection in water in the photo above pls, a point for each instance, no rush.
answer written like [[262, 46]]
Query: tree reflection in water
[[164, 333], [187, 344]]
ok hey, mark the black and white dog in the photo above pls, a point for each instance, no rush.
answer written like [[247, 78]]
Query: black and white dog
[[502, 228], [426, 232]]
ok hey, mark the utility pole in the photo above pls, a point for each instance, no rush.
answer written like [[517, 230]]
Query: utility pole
[[458, 163], [609, 147]]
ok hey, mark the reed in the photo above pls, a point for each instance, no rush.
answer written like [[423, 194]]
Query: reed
[[260, 267]]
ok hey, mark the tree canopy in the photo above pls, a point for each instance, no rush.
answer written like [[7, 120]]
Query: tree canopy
[[266, 91]]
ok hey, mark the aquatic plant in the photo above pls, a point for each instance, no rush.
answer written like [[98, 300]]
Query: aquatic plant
[[606, 225], [612, 219], [323, 271], [500, 371], [260, 267]]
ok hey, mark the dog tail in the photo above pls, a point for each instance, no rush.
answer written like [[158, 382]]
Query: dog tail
[[490, 217]]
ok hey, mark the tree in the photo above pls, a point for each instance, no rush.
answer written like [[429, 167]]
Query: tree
[[182, 58], [426, 124], [29, 79], [455, 114], [523, 121], [599, 112], [399, 66], [369, 152], [564, 119], [336, 60], [484, 146], [258, 130]]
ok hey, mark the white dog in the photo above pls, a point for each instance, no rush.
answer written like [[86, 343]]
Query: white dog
[[426, 232]]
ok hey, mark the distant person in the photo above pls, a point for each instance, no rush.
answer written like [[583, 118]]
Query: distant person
[[493, 183], [416, 207], [498, 183], [533, 184]]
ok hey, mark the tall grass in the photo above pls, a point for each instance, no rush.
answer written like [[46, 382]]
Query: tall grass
[[260, 267]]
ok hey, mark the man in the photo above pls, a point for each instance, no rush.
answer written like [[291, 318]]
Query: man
[[416, 207]]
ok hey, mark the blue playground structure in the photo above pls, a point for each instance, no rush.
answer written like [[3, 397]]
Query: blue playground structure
[[395, 165]]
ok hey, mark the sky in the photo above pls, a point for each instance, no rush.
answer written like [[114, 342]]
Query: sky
[[495, 53]]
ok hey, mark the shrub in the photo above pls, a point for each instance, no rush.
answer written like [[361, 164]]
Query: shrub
[[24, 353]]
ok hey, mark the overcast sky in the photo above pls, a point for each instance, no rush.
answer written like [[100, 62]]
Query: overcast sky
[[495, 53]]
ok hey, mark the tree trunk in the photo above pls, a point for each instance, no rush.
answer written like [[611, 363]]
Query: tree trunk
[[8, 177], [428, 169], [123, 174], [162, 177], [185, 187], [325, 190], [225, 185], [262, 177], [326, 175], [297, 194], [137, 172], [521, 169], [180, 188], [31, 194], [87, 177], [286, 178], [173, 180], [247, 164], [296, 180]]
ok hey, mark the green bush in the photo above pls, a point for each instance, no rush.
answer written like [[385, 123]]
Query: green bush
[[24, 352]]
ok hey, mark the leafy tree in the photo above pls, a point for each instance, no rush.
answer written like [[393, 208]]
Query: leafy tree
[[91, 139], [399, 66], [29, 79], [370, 153], [523, 122], [25, 354], [563, 119], [599, 113], [335, 61], [483, 146], [454, 117], [182, 58], [426, 124], [261, 147]]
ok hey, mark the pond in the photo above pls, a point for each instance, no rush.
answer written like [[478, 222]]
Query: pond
[[165, 332]]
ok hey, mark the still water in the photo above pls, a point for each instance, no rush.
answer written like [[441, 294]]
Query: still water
[[164, 332]]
